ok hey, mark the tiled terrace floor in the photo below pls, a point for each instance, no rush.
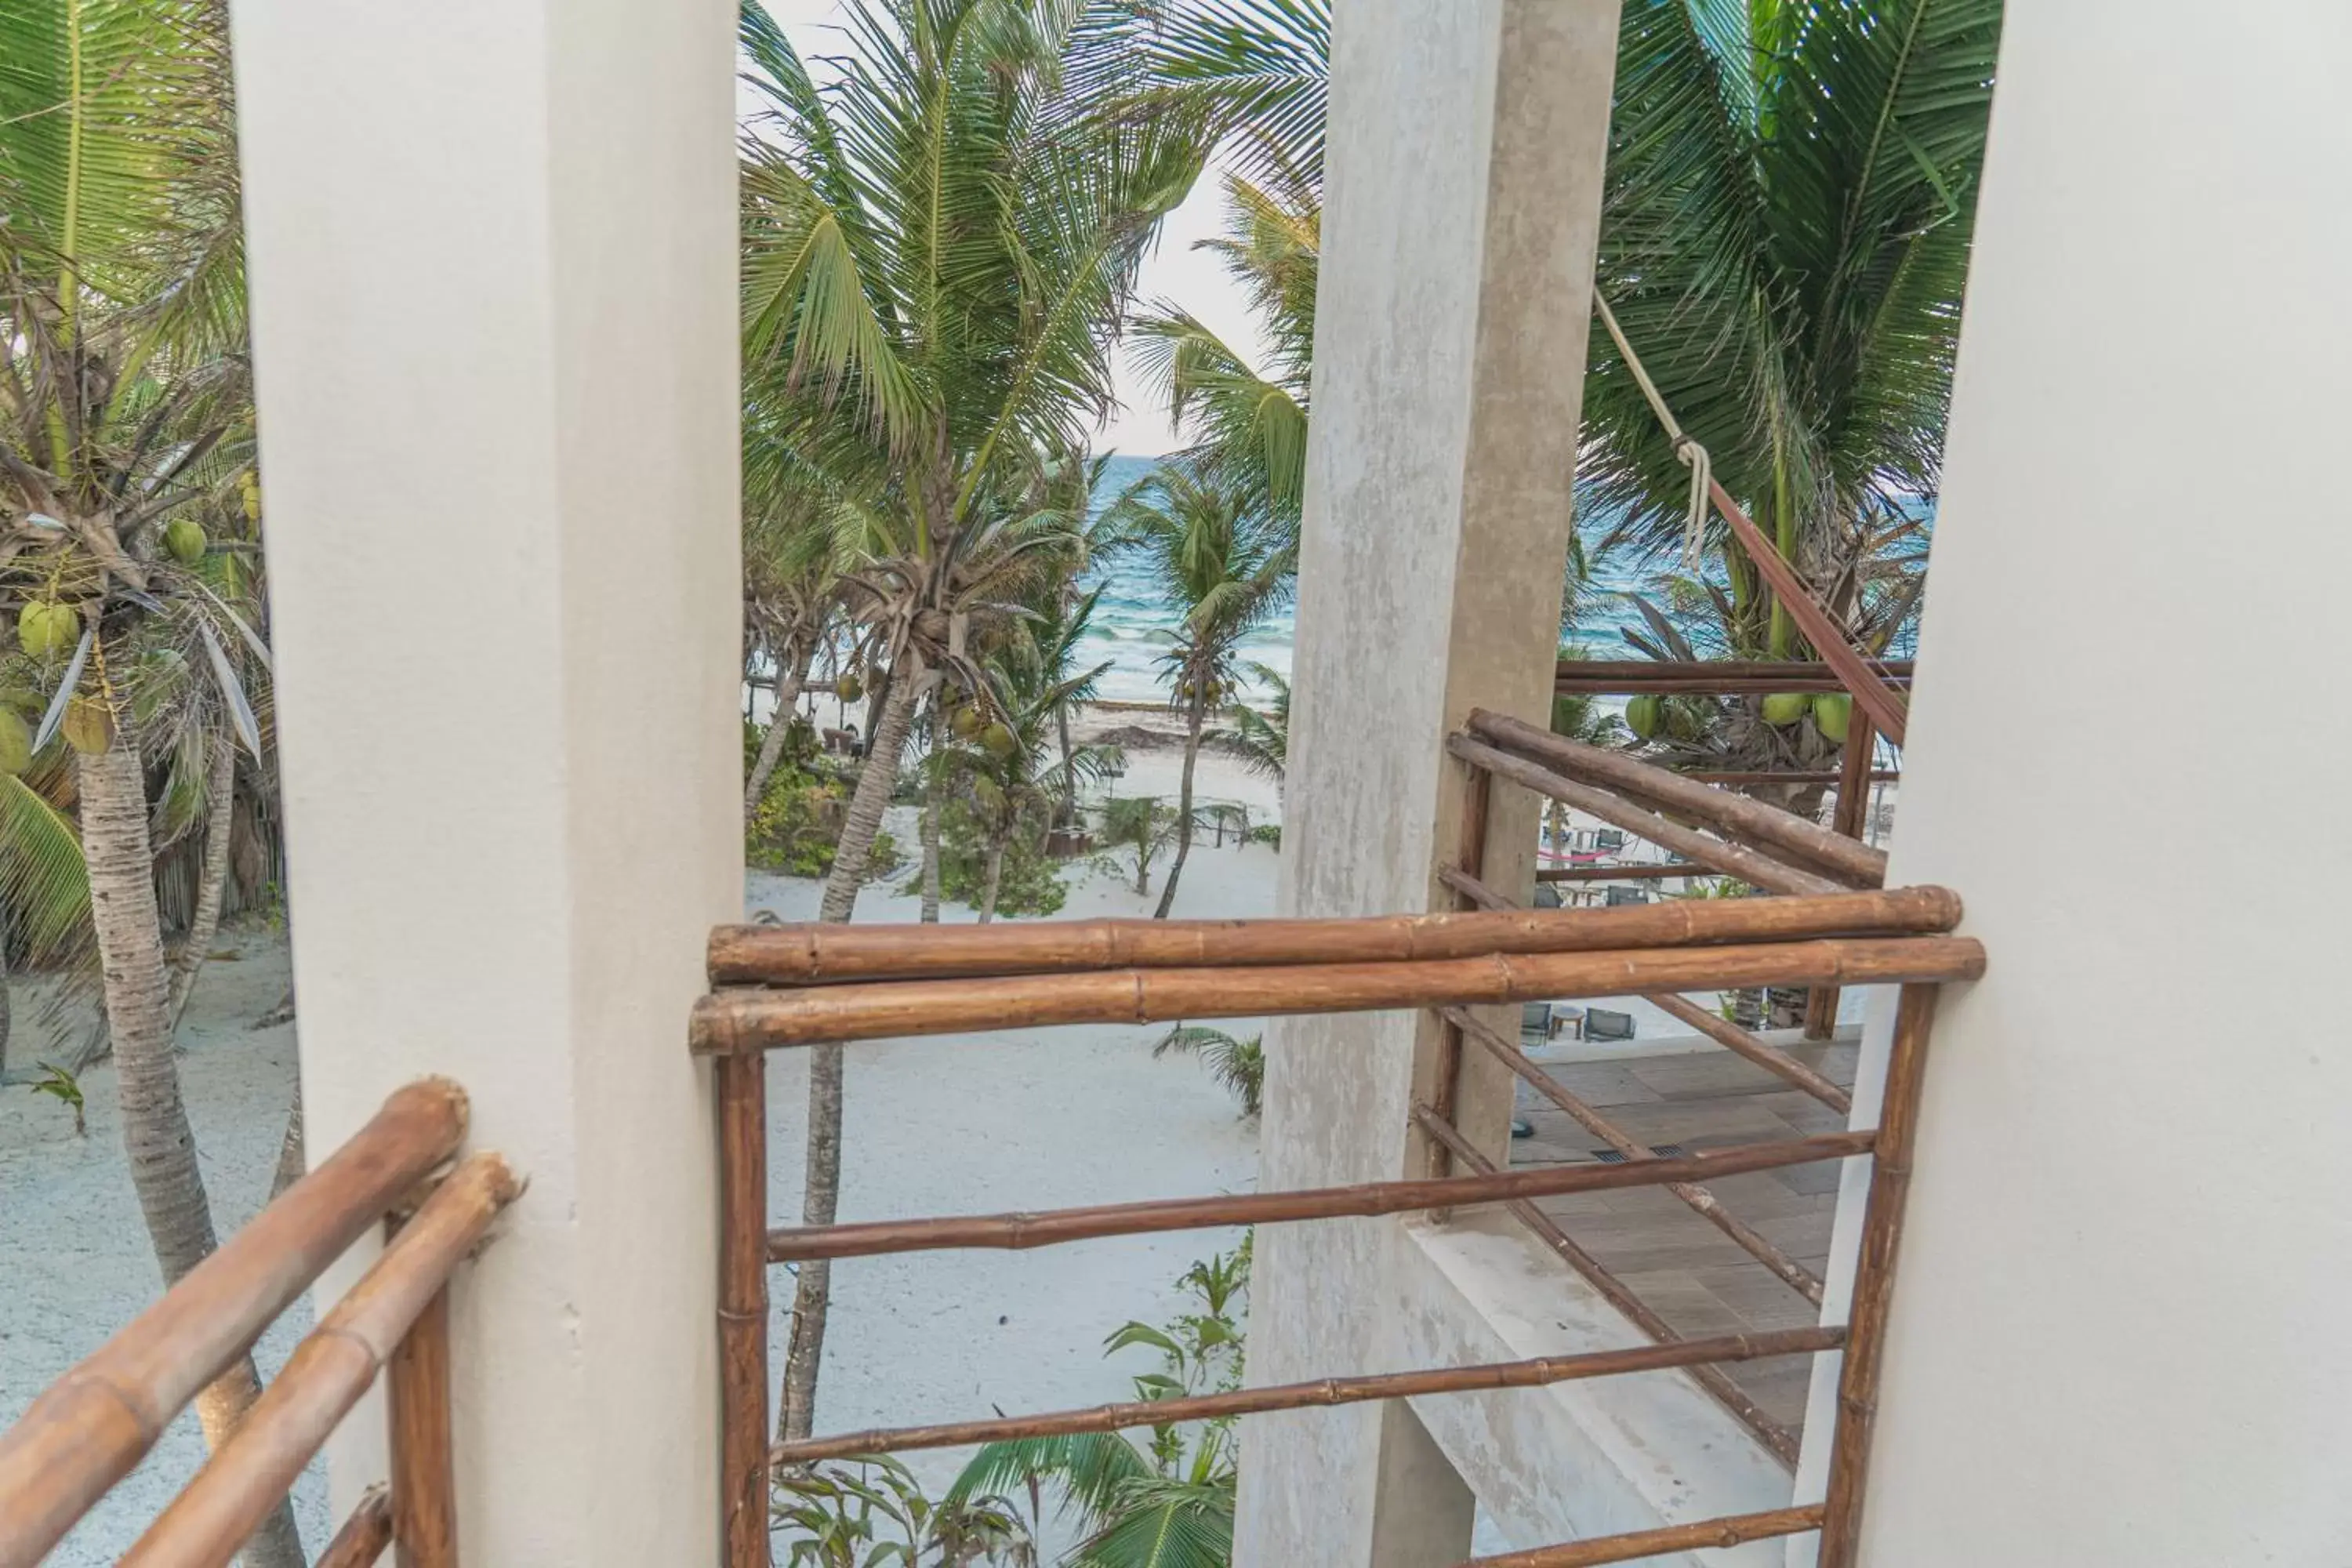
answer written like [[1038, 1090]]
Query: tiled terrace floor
[[1690, 1273]]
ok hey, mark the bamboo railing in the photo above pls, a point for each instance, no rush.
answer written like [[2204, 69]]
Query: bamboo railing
[[94, 1425], [790, 986]]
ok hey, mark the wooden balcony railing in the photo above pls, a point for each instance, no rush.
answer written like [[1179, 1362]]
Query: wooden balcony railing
[[95, 1423], [781, 986]]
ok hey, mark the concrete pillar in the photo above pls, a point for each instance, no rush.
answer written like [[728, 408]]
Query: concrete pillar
[[492, 250], [1465, 155], [2117, 1331]]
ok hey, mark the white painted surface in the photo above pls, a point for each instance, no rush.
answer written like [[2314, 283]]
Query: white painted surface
[[2117, 1334], [1466, 152], [492, 251]]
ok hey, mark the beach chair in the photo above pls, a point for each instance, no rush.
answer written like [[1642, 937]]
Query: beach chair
[[1602, 1024]]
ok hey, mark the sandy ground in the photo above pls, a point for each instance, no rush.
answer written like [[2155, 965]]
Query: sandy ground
[[1026, 1120], [74, 1264]]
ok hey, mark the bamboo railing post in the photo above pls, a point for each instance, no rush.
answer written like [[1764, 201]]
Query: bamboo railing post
[[334, 1366], [1732, 1530], [364, 1534], [1873, 1278], [424, 1463], [742, 1114], [1853, 813], [1470, 863]]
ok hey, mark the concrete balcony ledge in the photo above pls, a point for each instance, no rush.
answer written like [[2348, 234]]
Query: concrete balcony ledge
[[1575, 1460]]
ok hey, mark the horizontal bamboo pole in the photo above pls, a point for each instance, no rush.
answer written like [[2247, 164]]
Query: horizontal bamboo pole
[[1703, 1203], [1722, 855], [757, 1020], [1533, 1373], [1643, 872], [94, 1425], [1738, 1041], [1052, 1228], [364, 1534], [211, 1520], [1770, 776], [814, 954], [1777, 1440], [1887, 706], [1735, 1530], [1895, 670], [1742, 816]]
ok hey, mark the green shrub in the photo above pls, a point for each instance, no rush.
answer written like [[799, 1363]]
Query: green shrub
[[797, 825], [1031, 883]]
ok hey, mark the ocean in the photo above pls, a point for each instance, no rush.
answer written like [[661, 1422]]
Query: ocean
[[1132, 624]]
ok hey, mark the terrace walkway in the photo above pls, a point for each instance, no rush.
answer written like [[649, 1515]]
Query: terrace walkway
[[1693, 1276]]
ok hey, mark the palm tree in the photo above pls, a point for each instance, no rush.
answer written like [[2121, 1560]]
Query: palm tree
[[1784, 239], [1236, 1063], [937, 249], [1010, 777], [123, 410], [1257, 72], [1228, 564], [1168, 1501], [1261, 740], [792, 587], [1143, 825]]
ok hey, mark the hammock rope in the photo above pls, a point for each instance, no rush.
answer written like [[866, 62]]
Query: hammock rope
[[1688, 450]]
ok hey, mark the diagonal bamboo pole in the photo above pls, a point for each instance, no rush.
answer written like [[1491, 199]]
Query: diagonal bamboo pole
[[1767, 827], [1720, 855], [1705, 1204], [1777, 1439], [1739, 1042]]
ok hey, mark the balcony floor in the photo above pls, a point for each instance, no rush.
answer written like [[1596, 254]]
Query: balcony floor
[[1690, 1273]]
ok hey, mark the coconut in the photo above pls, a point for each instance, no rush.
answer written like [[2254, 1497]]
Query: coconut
[[89, 727], [44, 627], [16, 743], [1786, 707], [966, 723], [849, 687], [1832, 713], [999, 740], [184, 540], [1642, 714], [250, 491]]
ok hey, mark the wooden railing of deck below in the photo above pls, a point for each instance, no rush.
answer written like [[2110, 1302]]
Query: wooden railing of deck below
[[782, 986], [95, 1423]]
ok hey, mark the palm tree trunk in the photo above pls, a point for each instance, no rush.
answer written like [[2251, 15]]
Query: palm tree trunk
[[220, 795], [1192, 723], [822, 1193], [931, 791], [995, 880], [155, 1135], [780, 728], [1069, 808]]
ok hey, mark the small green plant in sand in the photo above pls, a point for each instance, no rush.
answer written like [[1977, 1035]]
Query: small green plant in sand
[[63, 1086]]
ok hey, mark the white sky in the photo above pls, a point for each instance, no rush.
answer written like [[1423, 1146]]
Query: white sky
[[1175, 271]]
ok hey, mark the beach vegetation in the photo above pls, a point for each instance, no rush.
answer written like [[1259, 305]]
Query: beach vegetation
[[1223, 563], [1164, 1500], [874, 1513], [1237, 1064]]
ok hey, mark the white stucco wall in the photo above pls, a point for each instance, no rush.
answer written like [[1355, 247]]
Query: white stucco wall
[[2117, 1332], [492, 251]]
